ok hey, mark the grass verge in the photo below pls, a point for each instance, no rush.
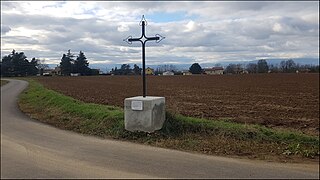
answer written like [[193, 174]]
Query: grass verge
[[179, 132], [3, 82]]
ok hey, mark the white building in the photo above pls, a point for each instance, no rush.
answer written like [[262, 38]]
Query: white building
[[213, 70], [186, 73], [168, 73]]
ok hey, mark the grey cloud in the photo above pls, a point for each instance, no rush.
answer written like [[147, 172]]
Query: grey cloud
[[59, 28], [67, 29], [9, 5], [57, 5], [298, 26], [5, 29], [245, 6], [255, 29], [75, 45], [19, 40], [54, 38]]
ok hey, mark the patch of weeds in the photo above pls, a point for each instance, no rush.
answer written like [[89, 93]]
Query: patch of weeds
[[298, 149]]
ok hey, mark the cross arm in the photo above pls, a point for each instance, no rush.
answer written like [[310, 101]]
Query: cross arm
[[134, 39], [153, 38]]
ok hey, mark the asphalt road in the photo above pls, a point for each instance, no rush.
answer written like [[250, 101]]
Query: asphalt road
[[30, 149]]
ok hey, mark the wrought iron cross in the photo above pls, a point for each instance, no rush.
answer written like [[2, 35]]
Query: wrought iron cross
[[143, 39]]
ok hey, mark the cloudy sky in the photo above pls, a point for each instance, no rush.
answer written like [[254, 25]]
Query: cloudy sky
[[203, 32]]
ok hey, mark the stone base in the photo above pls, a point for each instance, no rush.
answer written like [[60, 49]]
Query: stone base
[[144, 113]]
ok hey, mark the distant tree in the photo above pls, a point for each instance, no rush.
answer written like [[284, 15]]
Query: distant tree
[[33, 67], [115, 71], [41, 65], [288, 66], [314, 69], [136, 70], [230, 69], [125, 69], [20, 64], [158, 71], [65, 65], [283, 66], [166, 67], [234, 69], [7, 68], [195, 68], [263, 66], [70, 65], [93, 72], [274, 68], [17, 64], [252, 68], [307, 68], [73, 67], [82, 64], [291, 66], [240, 68], [70, 55]]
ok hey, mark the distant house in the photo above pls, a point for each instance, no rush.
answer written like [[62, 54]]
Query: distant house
[[186, 73], [246, 72], [168, 73], [149, 71], [75, 74], [57, 71], [303, 71], [96, 72], [48, 72], [213, 70]]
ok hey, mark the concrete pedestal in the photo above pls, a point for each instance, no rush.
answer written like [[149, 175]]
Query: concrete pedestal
[[144, 113]]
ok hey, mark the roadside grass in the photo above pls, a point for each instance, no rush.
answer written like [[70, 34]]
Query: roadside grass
[[3, 82], [179, 132]]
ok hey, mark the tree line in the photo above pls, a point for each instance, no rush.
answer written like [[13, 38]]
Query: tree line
[[71, 64], [126, 69], [262, 66], [285, 66], [17, 64]]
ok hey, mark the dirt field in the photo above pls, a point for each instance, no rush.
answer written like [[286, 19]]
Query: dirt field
[[273, 100]]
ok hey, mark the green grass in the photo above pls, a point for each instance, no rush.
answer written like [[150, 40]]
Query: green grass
[[3, 82], [178, 132], [181, 124]]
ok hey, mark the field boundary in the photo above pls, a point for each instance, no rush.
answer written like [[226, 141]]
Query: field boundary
[[179, 132]]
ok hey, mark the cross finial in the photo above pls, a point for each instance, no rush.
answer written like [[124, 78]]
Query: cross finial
[[143, 19]]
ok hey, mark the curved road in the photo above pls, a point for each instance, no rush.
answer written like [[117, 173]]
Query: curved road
[[30, 149]]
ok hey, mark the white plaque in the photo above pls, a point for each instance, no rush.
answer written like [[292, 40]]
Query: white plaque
[[137, 105]]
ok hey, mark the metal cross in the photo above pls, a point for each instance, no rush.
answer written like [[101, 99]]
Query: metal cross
[[143, 39]]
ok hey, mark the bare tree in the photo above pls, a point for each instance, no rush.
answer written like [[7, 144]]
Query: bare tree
[[252, 68]]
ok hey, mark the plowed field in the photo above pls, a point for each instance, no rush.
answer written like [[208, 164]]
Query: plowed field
[[274, 100]]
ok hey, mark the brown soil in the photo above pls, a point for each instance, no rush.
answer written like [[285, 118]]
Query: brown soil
[[288, 101]]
